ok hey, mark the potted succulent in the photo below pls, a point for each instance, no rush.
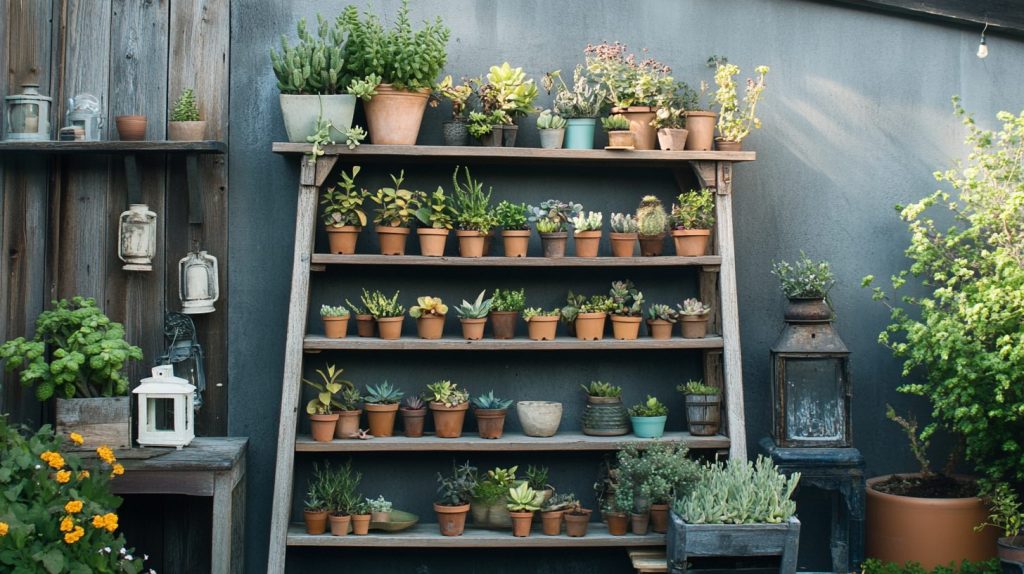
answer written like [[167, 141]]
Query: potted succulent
[[344, 217], [414, 412], [515, 227], [506, 95], [388, 312], [805, 284], [490, 498], [322, 420], [474, 215], [553, 509], [361, 519], [343, 497], [381, 405], [628, 310], [523, 501], [429, 313], [487, 128], [449, 404], [576, 520], [591, 318], [537, 478], [703, 407], [648, 418], [314, 507], [473, 317], [185, 124], [436, 215], [539, 418], [619, 136], [455, 130], [571, 310], [580, 105], [400, 63], [551, 128], [505, 307], [624, 233], [670, 118], [617, 517], [542, 325], [736, 122], [335, 320], [604, 414], [587, 233], [693, 314], [397, 208], [366, 326], [380, 509], [552, 219], [660, 318], [347, 407], [454, 493], [652, 221], [700, 120], [691, 220], [490, 414]]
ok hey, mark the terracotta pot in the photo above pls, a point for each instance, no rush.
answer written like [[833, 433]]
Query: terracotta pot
[[322, 427], [366, 325], [672, 139], [652, 246], [503, 324], [430, 326], [393, 116], [623, 244], [700, 127], [360, 524], [335, 327], [621, 139], [932, 531], [551, 522], [412, 421], [576, 524], [659, 329], [348, 424], [659, 518], [451, 519], [590, 326], [554, 243], [186, 131], [516, 242], [640, 118], [339, 524], [380, 516], [390, 328], [488, 241], [392, 239], [381, 418], [448, 420], [432, 241], [587, 243], [694, 326], [703, 414], [691, 242], [723, 145], [316, 522], [131, 128], [539, 418], [1011, 552], [542, 328], [471, 243], [640, 522], [521, 523], [618, 523], [473, 329], [342, 240], [626, 328], [490, 423]]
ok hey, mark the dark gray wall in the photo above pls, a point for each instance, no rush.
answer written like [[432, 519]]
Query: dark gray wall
[[856, 117]]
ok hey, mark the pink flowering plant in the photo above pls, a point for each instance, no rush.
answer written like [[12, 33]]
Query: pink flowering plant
[[630, 81]]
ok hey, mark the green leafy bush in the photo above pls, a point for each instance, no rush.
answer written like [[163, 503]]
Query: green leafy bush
[[185, 108], [873, 566], [507, 300]]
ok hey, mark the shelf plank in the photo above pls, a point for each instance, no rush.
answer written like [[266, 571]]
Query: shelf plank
[[321, 343], [114, 147], [370, 153], [511, 442], [422, 261], [427, 535]]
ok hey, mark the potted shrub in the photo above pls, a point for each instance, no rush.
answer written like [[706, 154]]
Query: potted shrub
[[473, 213], [616, 517], [342, 498], [322, 419], [381, 404], [630, 492], [436, 214], [490, 414], [380, 509], [694, 316], [552, 219], [553, 509], [335, 320], [473, 317], [670, 119], [576, 520], [366, 326], [505, 96], [347, 407], [344, 217], [515, 228], [185, 124], [490, 498], [580, 105], [449, 404], [414, 411], [388, 312], [624, 234], [648, 418], [523, 501], [314, 507], [361, 519], [542, 325], [736, 122], [505, 307], [397, 208], [700, 120], [1008, 517], [429, 313], [403, 63], [665, 472], [652, 221], [692, 219], [703, 407], [455, 130], [591, 318], [551, 128], [587, 233], [539, 418], [627, 311], [454, 493], [604, 414], [619, 136], [660, 318]]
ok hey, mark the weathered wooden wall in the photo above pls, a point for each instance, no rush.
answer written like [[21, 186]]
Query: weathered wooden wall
[[59, 216]]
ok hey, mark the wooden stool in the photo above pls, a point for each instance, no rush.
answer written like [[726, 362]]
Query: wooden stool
[[646, 560]]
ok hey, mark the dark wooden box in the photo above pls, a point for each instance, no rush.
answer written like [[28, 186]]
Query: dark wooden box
[[695, 540]]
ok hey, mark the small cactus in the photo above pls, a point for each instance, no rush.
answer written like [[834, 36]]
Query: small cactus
[[651, 218], [624, 223]]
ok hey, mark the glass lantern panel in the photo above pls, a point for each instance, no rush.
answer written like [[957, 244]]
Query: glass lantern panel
[[814, 399], [160, 415], [24, 118]]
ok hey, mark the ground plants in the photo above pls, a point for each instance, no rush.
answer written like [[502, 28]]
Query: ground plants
[[873, 566], [806, 279]]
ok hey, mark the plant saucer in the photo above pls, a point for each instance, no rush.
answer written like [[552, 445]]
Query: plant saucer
[[399, 520], [620, 147]]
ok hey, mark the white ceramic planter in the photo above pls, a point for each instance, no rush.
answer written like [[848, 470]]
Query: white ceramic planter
[[539, 418], [300, 113]]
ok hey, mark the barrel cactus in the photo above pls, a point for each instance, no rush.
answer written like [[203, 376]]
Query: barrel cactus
[[651, 217]]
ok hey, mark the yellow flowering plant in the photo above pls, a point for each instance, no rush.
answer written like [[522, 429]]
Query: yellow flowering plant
[[56, 515]]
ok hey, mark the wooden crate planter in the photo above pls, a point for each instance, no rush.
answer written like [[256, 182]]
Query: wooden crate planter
[[697, 540], [100, 421]]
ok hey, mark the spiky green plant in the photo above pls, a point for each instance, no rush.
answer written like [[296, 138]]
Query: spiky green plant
[[472, 205], [380, 306], [185, 107], [383, 394], [652, 220], [696, 388], [489, 401], [602, 389], [475, 310]]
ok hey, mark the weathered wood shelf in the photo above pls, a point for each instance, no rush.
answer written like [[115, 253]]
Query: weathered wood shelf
[[557, 262], [115, 147], [321, 343], [427, 535], [564, 441]]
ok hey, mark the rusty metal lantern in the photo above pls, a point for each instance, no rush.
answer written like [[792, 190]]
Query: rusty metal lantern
[[811, 387]]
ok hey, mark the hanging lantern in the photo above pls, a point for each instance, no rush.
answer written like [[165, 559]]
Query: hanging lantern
[[137, 230], [197, 283], [27, 116], [810, 379], [85, 117], [184, 353], [166, 414]]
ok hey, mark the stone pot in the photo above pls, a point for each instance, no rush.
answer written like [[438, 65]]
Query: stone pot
[[554, 243], [672, 139], [473, 329], [587, 243], [186, 131], [723, 145], [576, 524], [490, 423], [322, 427], [455, 133], [316, 521], [432, 241], [652, 245], [700, 127], [618, 523], [300, 112], [659, 329], [621, 140], [640, 117], [335, 327], [430, 326], [393, 116], [552, 138], [542, 328], [366, 325], [342, 240], [451, 519], [539, 418], [471, 243], [392, 239], [521, 523], [648, 427], [579, 133], [551, 521], [448, 420], [605, 416], [340, 524], [691, 242], [131, 128], [623, 244], [390, 328], [412, 421], [503, 324], [694, 326], [590, 326], [381, 419], [508, 135], [516, 242], [348, 424], [703, 414], [626, 328]]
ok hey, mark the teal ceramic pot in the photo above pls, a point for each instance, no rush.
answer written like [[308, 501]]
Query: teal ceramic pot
[[579, 133], [648, 427]]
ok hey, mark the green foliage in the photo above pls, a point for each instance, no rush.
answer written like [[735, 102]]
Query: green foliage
[[364, 88], [511, 216], [805, 280], [624, 223], [629, 302], [583, 100], [446, 392], [693, 307], [379, 504], [602, 389], [457, 94], [341, 489], [380, 306], [537, 477], [631, 81], [591, 221], [481, 124], [318, 489], [652, 475], [345, 206], [333, 311], [87, 353], [531, 312], [554, 214], [185, 108], [489, 401], [457, 488], [507, 90], [522, 498], [615, 123], [472, 205], [739, 492], [651, 218], [735, 122], [671, 106], [652, 407], [1006, 513], [328, 387], [697, 388], [550, 121], [494, 487], [661, 311], [475, 310], [435, 209], [383, 394], [428, 306], [397, 206], [357, 309], [507, 300], [315, 65], [694, 210], [597, 304], [873, 566], [353, 136], [573, 302]]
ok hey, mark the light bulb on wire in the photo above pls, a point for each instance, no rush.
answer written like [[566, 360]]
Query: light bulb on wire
[[983, 47]]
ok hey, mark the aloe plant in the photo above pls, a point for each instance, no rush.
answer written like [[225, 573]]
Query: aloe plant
[[489, 401], [383, 394], [522, 498], [476, 310]]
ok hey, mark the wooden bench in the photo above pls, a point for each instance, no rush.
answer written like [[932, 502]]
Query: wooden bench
[[646, 560]]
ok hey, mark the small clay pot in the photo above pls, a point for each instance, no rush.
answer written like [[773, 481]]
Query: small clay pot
[[554, 243], [625, 328], [576, 524], [551, 522], [348, 424], [316, 521], [723, 145], [640, 522], [448, 420], [131, 128], [652, 245], [516, 242], [366, 325], [640, 118], [490, 423], [340, 524], [590, 326], [412, 421], [392, 239], [432, 241], [503, 324], [542, 328], [700, 128], [322, 427], [623, 244], [587, 243], [471, 243], [521, 523], [360, 524], [659, 329], [473, 329], [691, 242], [430, 326], [621, 139], [694, 326], [451, 519], [659, 518], [381, 418], [335, 327], [342, 240], [672, 139], [618, 523], [390, 328]]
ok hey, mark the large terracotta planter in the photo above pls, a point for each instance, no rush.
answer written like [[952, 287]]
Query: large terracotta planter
[[471, 243], [473, 329], [623, 244], [576, 524], [451, 519], [626, 328], [587, 243], [652, 245], [381, 418], [392, 239], [723, 145], [516, 241], [316, 521], [366, 325], [659, 518], [644, 134], [390, 328], [335, 327], [659, 329], [412, 421], [621, 140], [694, 326], [342, 240], [448, 420], [432, 241], [700, 127], [348, 424], [503, 324], [618, 523], [521, 523], [340, 524], [393, 116], [590, 326], [932, 531], [539, 418], [186, 131], [703, 414], [361, 524], [551, 522], [430, 326], [691, 242], [300, 112], [672, 139], [554, 243], [490, 423], [542, 328], [322, 427]]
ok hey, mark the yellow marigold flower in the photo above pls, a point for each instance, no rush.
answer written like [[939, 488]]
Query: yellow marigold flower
[[106, 454], [83, 475], [97, 521], [76, 438], [63, 476], [67, 524], [4, 528], [110, 521], [74, 535], [54, 459], [118, 470], [46, 455], [73, 506]]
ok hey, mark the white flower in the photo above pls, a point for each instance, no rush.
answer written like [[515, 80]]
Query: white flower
[[123, 551], [38, 466], [128, 557]]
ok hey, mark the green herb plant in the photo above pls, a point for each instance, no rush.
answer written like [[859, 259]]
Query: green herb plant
[[511, 216], [806, 279], [694, 210], [508, 300], [185, 108], [344, 206]]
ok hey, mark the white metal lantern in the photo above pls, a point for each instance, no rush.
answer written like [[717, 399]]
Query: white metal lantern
[[166, 415], [197, 282], [137, 230], [27, 117], [84, 113]]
